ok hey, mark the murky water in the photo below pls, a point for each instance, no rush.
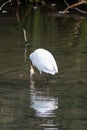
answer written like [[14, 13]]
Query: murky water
[[50, 102]]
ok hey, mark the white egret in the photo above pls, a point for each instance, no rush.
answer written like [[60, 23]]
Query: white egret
[[44, 61]]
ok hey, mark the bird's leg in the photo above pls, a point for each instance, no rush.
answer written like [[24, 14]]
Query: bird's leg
[[31, 72]]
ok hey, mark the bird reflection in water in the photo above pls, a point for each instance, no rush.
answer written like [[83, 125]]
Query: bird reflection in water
[[44, 105]]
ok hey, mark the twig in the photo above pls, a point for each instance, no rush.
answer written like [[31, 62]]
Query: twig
[[79, 10], [4, 4]]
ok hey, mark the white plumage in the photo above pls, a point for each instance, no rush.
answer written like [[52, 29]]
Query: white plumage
[[44, 61]]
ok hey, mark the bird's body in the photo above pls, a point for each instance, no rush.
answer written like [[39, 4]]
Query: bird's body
[[44, 61]]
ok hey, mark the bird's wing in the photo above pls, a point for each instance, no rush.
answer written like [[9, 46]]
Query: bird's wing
[[45, 62]]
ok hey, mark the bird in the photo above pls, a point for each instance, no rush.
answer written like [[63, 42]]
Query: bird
[[44, 61]]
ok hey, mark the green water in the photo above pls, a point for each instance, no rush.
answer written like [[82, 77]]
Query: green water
[[60, 103]]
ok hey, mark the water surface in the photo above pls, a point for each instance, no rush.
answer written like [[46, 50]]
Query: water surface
[[50, 102]]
